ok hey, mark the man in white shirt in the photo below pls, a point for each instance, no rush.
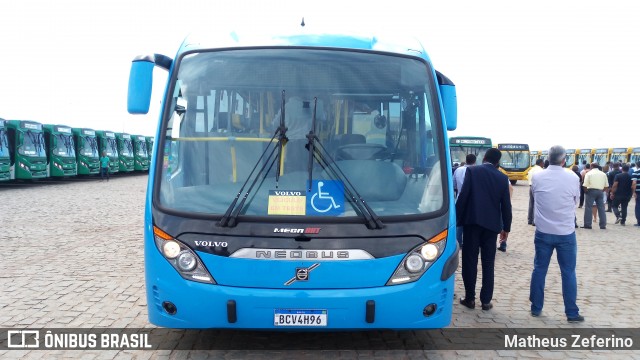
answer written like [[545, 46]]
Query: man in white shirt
[[458, 180], [556, 193]]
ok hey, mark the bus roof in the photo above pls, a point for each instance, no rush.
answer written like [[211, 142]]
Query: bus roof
[[298, 36]]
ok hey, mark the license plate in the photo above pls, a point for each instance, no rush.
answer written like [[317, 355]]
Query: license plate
[[299, 317]]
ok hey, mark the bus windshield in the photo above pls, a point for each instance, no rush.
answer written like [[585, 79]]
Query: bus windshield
[[375, 120], [32, 144], [514, 160], [141, 148], [4, 143], [65, 146], [89, 146], [112, 149], [127, 149]]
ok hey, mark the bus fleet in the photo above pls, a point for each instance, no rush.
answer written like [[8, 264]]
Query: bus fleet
[[30, 150]]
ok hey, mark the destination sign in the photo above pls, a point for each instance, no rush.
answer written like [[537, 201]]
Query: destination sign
[[471, 141], [600, 151], [513, 147], [31, 126], [63, 129], [585, 151], [110, 134], [126, 136], [89, 132], [140, 138], [620, 150]]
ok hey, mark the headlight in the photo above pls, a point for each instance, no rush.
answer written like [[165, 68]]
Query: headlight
[[171, 249], [414, 263], [419, 259], [181, 257], [429, 252], [187, 261]]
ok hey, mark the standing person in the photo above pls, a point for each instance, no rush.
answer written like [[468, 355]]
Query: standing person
[[577, 172], [556, 194], [621, 192], [536, 168], [584, 172], [104, 166], [611, 175], [482, 204], [636, 181], [458, 180], [595, 185]]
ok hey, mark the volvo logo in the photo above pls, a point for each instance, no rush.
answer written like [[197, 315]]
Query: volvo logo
[[302, 274]]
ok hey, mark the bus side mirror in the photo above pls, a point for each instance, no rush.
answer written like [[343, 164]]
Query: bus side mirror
[[140, 84], [449, 101]]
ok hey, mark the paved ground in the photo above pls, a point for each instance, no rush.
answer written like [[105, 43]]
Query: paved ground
[[77, 262]]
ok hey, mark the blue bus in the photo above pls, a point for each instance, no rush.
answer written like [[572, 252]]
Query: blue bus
[[301, 181]]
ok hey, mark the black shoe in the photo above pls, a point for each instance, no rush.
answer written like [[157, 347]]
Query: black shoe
[[575, 319], [468, 303], [535, 314], [487, 307], [603, 228], [587, 227], [608, 210], [618, 220], [636, 224], [500, 248], [622, 223]]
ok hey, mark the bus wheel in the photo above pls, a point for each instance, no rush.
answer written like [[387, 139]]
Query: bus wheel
[[513, 182]]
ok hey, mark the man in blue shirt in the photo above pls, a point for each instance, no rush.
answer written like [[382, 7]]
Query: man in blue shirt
[[556, 193]]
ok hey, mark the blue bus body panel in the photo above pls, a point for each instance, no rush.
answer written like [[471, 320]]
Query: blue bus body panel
[[205, 305]]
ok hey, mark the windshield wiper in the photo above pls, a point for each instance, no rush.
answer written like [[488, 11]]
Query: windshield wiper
[[372, 221], [229, 219]]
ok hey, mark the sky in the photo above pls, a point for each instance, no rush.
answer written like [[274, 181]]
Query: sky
[[539, 72]]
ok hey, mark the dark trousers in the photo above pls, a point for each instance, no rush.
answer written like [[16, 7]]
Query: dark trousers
[[478, 240], [622, 212], [104, 172], [530, 212], [581, 195], [637, 208]]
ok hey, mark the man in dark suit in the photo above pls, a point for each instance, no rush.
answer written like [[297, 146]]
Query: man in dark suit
[[483, 209]]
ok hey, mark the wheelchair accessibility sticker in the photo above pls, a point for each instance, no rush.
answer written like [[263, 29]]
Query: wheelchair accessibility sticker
[[325, 198]]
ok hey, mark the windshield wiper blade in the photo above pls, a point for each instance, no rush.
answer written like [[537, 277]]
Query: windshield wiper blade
[[230, 216], [282, 138], [311, 137]]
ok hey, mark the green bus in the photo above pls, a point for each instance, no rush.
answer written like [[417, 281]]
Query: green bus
[[60, 150], [107, 142], [140, 153], [150, 140], [125, 152], [5, 160], [26, 150], [460, 146], [87, 154]]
